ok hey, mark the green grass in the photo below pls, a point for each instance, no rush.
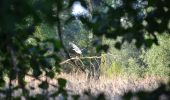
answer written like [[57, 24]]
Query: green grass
[[133, 69]]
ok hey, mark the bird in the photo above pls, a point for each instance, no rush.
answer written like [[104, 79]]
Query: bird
[[76, 52], [74, 49]]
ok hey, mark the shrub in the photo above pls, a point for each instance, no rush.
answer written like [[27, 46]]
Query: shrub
[[158, 57]]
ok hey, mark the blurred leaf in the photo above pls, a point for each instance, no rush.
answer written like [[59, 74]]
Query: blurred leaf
[[102, 47], [101, 96], [149, 42], [118, 45], [127, 96], [2, 83], [75, 97], [44, 85], [21, 79], [50, 74], [37, 72], [62, 82]]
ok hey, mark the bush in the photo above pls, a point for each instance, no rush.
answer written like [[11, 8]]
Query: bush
[[113, 70], [138, 62], [134, 69], [158, 57]]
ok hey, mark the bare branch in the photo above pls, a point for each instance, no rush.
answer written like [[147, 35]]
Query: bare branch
[[78, 58]]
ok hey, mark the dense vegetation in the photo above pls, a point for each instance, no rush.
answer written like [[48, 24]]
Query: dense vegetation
[[126, 35]]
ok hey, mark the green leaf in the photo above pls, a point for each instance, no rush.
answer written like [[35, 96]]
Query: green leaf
[[118, 45], [101, 96], [102, 47], [21, 79], [44, 85], [50, 74], [37, 72], [62, 82], [149, 42], [127, 96], [2, 82], [75, 97]]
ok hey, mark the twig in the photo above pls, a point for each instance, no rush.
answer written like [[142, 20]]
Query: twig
[[78, 58]]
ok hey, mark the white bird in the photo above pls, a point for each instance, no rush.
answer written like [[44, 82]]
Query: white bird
[[75, 48]]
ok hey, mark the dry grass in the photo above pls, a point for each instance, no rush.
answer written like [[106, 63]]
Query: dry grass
[[113, 87]]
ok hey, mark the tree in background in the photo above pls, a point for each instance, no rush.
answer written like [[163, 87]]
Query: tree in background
[[158, 57]]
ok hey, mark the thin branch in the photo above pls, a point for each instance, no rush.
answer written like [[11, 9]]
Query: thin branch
[[71, 64], [81, 62], [78, 58], [97, 62]]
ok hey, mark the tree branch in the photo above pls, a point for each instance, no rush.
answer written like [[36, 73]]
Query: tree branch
[[77, 58]]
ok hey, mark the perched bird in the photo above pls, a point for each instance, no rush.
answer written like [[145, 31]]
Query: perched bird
[[74, 49]]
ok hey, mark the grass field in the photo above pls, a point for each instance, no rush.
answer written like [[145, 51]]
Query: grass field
[[112, 87]]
